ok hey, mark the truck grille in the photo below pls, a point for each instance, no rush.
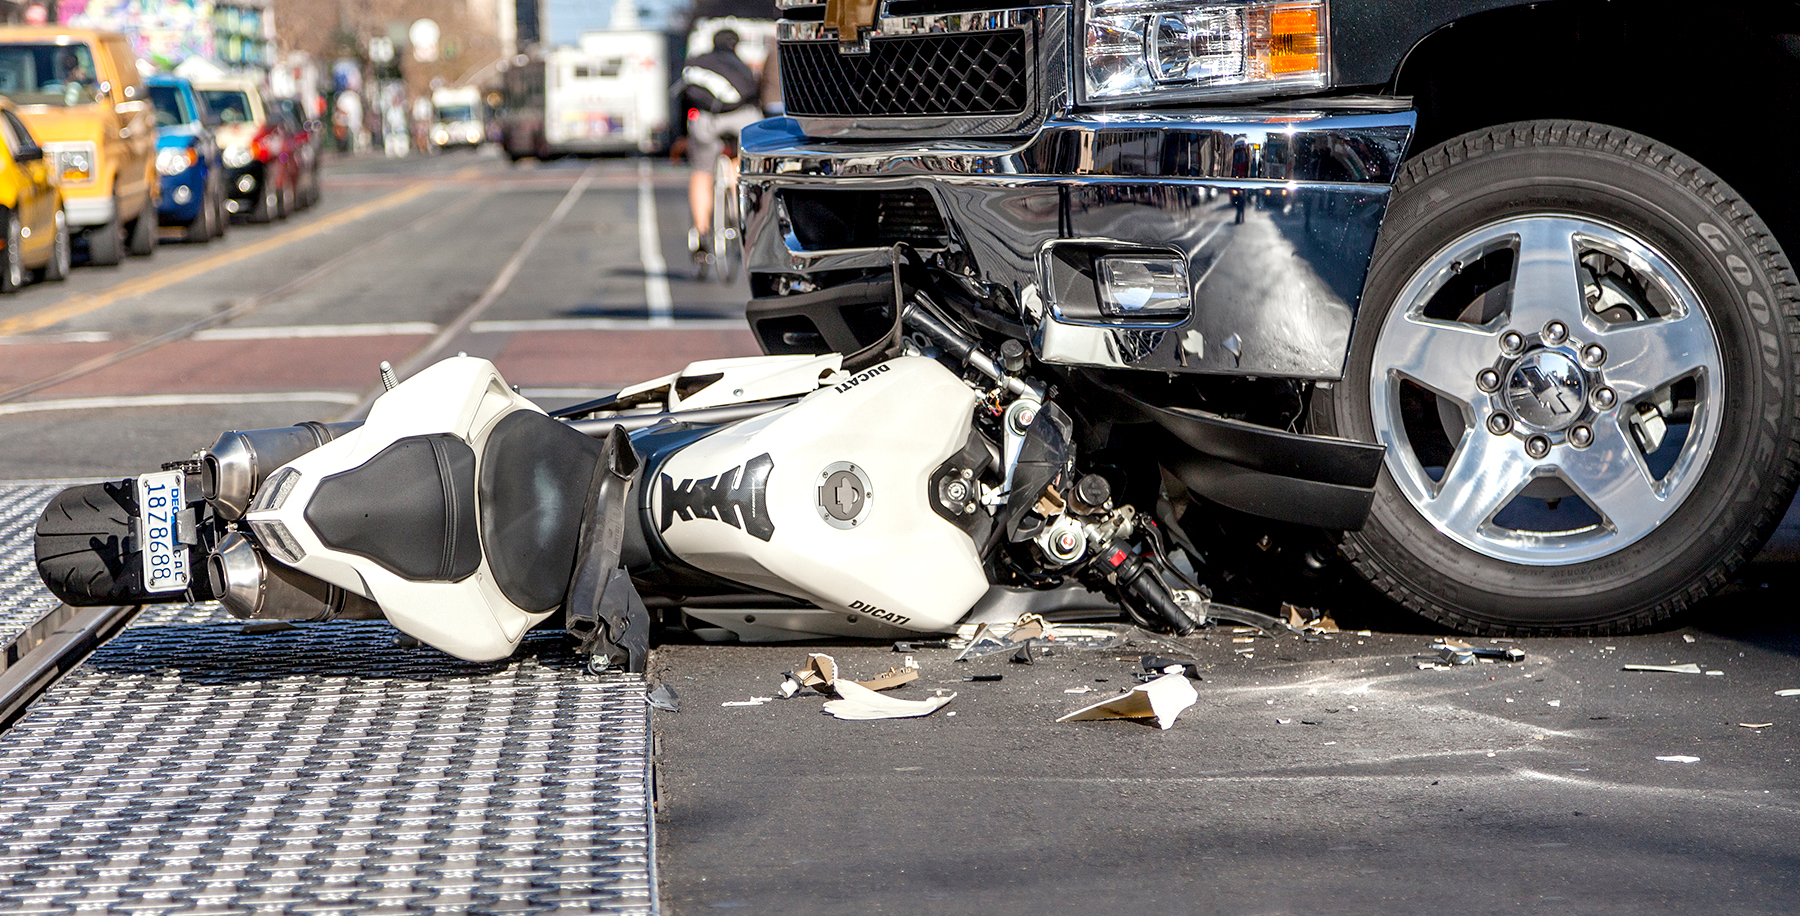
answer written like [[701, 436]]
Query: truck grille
[[980, 73]]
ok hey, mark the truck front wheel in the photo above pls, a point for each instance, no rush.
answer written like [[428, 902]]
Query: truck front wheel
[[1579, 347]]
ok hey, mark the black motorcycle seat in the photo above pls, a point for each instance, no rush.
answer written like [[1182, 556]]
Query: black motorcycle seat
[[411, 508], [535, 473]]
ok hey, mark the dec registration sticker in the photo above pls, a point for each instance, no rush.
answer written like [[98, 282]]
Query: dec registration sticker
[[160, 501]]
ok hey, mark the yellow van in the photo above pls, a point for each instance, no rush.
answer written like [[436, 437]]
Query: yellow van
[[80, 93]]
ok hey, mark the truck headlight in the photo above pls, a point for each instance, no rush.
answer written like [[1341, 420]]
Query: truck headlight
[[1164, 50], [70, 163]]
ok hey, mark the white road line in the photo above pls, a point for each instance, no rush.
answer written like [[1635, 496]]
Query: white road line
[[656, 270], [70, 337], [317, 330], [607, 324], [430, 353], [179, 400]]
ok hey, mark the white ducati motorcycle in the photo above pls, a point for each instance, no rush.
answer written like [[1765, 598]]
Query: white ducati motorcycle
[[884, 495]]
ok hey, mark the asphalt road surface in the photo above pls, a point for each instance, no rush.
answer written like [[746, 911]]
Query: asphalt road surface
[[1333, 776]]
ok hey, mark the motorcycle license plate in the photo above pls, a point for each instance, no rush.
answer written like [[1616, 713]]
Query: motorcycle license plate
[[160, 501]]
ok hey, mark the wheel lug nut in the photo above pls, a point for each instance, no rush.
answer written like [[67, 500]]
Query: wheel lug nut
[[1499, 424], [1511, 343], [1581, 437], [1604, 398], [1556, 332], [1593, 355], [1537, 446], [1488, 380]]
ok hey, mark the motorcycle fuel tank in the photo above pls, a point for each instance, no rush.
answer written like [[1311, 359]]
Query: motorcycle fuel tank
[[828, 500]]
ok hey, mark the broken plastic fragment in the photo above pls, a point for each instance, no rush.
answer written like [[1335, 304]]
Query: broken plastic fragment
[[1755, 724], [1308, 620], [1079, 690], [1689, 668], [1790, 692], [1679, 758], [753, 701], [861, 703], [1715, 674], [663, 697], [1686, 638], [1162, 699]]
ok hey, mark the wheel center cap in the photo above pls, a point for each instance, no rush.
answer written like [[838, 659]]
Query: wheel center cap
[[1546, 390]]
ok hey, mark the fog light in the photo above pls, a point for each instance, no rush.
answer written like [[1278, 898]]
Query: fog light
[[246, 183], [182, 194], [1134, 286]]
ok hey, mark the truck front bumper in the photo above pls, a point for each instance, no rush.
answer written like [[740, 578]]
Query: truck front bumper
[[1274, 214]]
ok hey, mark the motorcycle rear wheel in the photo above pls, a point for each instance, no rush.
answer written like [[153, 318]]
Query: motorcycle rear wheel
[[81, 546]]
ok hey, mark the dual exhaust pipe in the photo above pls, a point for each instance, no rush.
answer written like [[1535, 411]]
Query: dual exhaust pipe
[[251, 587]]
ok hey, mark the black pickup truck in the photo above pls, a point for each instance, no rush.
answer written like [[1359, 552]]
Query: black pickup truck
[[1491, 294]]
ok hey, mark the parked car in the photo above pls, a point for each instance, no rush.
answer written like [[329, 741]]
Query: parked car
[[79, 92], [309, 140], [188, 159], [260, 167], [36, 234]]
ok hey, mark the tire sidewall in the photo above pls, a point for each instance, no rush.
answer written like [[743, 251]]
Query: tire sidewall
[[1725, 254]]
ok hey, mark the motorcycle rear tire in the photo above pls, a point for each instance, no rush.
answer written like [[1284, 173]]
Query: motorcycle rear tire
[[81, 541]]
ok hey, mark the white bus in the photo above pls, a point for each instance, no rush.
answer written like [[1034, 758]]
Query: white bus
[[609, 95]]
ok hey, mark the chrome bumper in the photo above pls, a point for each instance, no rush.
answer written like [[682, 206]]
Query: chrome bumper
[[1276, 213]]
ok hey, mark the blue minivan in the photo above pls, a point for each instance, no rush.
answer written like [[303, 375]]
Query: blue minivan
[[187, 158]]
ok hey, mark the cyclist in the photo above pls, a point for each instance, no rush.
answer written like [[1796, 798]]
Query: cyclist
[[720, 94]]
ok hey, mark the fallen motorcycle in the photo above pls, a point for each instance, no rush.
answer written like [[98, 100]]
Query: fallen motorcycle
[[920, 484]]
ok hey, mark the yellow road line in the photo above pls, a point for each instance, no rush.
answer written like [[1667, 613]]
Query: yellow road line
[[81, 305]]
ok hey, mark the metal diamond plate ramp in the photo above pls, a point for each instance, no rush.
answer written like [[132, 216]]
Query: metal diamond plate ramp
[[193, 768], [23, 599]]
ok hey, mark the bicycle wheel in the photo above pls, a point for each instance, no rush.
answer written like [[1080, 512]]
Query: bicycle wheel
[[725, 252]]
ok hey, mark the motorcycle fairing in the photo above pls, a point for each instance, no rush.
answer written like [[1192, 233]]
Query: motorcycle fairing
[[900, 564], [472, 618]]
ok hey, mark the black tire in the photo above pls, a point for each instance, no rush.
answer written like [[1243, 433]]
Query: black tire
[[81, 540], [199, 230], [57, 269], [143, 232], [106, 243], [12, 268], [267, 204], [1576, 171]]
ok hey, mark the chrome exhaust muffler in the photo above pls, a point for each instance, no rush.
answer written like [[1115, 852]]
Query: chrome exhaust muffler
[[252, 588], [236, 465]]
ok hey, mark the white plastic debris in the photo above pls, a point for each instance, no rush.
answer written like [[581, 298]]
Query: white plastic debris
[[1686, 638], [1689, 668], [1679, 758], [1790, 692], [860, 703], [753, 701], [1162, 699]]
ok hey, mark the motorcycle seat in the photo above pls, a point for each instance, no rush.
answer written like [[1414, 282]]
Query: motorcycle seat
[[535, 474]]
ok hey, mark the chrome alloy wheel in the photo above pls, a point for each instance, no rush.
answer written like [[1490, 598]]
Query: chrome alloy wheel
[[1549, 389]]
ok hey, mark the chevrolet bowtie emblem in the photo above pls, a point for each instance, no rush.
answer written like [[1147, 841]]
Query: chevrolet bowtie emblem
[[851, 18]]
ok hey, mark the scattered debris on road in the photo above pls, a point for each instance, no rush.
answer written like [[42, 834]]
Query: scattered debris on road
[[753, 701], [860, 703], [821, 674], [1790, 692], [1689, 668], [1756, 725], [1679, 758], [1162, 699], [1310, 621], [664, 698], [1452, 652]]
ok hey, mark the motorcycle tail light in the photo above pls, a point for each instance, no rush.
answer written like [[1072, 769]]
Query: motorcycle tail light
[[1143, 287]]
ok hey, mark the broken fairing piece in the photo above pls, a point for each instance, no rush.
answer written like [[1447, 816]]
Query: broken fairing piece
[[1308, 620], [1689, 668], [819, 673], [663, 697], [893, 677], [861, 703], [1155, 665], [1035, 632], [1162, 699], [1270, 625]]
